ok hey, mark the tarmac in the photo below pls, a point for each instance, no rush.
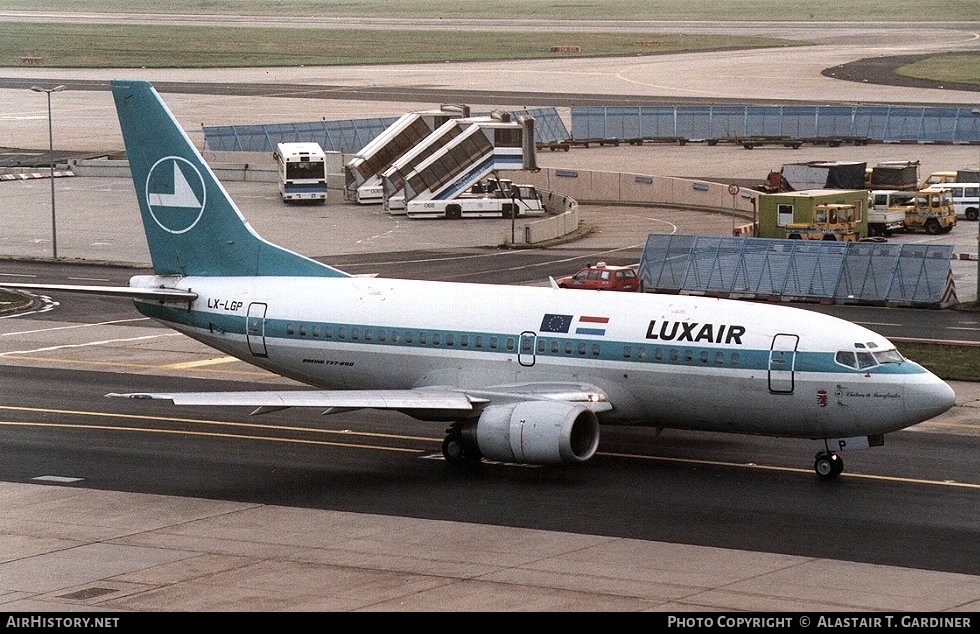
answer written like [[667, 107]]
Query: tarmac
[[67, 549]]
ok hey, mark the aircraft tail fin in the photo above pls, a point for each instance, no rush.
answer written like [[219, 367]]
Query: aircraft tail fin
[[192, 225]]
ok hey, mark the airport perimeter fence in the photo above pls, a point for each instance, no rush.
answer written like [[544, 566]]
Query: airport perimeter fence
[[682, 123], [920, 124], [839, 272], [348, 136]]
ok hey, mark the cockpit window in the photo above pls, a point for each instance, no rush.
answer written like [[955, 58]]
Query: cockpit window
[[846, 357], [866, 360], [862, 359], [889, 356]]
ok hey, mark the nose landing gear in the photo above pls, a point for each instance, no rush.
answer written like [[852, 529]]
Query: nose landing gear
[[828, 465]]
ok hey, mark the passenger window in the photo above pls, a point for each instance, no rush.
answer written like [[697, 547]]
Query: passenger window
[[327, 332], [627, 352], [423, 338], [581, 347], [316, 332], [289, 329], [478, 342], [493, 343], [509, 342], [464, 341], [450, 340], [302, 330], [435, 338], [341, 333], [595, 350]]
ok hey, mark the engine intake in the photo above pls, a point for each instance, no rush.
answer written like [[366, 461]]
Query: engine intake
[[538, 432]]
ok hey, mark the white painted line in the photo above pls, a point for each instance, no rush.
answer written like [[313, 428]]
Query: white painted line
[[91, 343]]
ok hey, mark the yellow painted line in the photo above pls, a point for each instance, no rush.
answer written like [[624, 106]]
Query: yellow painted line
[[117, 364], [198, 364], [313, 430], [746, 465], [176, 432], [218, 423]]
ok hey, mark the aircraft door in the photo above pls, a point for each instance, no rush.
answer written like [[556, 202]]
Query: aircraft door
[[255, 329], [525, 348], [782, 360]]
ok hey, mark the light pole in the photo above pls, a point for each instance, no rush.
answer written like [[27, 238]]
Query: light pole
[[975, 112], [54, 224]]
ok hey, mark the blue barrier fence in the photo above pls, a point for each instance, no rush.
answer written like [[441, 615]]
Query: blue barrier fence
[[732, 122], [346, 136]]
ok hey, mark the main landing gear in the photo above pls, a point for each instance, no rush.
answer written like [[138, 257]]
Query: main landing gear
[[828, 465], [455, 450]]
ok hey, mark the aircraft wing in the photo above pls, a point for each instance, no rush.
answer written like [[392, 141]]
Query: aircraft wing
[[440, 398], [158, 294], [343, 399]]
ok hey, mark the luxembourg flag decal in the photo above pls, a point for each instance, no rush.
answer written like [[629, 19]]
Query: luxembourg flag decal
[[590, 325]]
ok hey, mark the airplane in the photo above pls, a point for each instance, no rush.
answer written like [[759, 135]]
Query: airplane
[[521, 374]]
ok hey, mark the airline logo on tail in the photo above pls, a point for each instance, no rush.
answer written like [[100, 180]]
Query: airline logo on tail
[[175, 194]]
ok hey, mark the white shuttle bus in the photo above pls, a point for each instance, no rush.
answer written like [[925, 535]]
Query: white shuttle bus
[[302, 172]]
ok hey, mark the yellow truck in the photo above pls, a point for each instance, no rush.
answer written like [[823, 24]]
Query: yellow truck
[[931, 211], [830, 221]]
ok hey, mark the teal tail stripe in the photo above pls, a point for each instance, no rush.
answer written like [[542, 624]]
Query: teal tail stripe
[[192, 225]]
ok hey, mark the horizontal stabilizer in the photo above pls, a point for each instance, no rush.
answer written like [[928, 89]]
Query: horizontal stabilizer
[[158, 294]]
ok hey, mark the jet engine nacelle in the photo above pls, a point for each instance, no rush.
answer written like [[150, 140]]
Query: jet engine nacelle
[[538, 432]]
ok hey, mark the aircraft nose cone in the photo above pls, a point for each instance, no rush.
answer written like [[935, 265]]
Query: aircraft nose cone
[[929, 400]]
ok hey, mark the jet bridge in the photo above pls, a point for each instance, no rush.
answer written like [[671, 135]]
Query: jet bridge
[[458, 155]]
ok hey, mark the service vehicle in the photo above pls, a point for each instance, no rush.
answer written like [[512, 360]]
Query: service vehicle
[[511, 201], [893, 175], [951, 176], [830, 221], [302, 172], [938, 178], [602, 277], [966, 198], [885, 216], [930, 210]]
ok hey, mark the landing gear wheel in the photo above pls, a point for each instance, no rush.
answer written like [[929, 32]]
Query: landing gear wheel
[[828, 465], [455, 451], [452, 449]]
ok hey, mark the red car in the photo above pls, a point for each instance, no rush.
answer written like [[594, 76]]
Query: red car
[[602, 277]]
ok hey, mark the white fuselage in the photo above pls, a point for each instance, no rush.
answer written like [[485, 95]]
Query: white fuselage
[[664, 360]]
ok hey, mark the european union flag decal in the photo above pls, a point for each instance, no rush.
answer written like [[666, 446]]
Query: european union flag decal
[[555, 323]]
